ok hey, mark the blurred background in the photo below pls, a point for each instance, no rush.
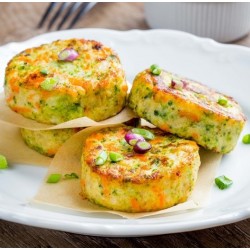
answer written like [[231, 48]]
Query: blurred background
[[19, 21], [224, 22]]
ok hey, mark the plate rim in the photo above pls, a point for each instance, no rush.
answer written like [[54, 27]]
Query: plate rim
[[193, 37], [123, 229]]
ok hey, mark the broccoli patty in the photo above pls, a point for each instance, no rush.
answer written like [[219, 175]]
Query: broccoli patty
[[47, 142], [158, 179], [41, 86], [188, 109]]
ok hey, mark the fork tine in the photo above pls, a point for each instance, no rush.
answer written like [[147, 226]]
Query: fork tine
[[57, 14], [48, 10], [72, 8], [83, 9]]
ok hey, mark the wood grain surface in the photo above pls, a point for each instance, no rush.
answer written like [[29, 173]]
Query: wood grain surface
[[234, 235], [18, 22]]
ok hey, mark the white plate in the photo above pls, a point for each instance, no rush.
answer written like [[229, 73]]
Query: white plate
[[223, 67]]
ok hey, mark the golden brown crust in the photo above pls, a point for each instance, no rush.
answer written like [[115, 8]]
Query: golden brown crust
[[39, 86], [161, 160], [188, 109], [195, 92], [160, 178]]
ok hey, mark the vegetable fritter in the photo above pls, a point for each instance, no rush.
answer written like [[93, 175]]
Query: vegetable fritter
[[188, 109], [160, 178], [41, 86], [47, 142]]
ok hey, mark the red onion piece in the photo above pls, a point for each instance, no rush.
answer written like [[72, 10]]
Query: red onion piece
[[177, 84], [141, 147], [132, 138], [68, 55]]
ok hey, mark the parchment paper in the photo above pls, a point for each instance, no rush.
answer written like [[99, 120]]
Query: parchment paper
[[15, 150], [12, 118], [66, 193]]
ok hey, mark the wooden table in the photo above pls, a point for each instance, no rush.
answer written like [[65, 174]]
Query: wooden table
[[18, 22]]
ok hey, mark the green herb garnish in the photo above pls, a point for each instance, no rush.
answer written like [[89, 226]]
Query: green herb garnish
[[246, 139], [155, 69], [49, 83], [145, 133], [44, 72], [3, 162], [71, 176], [101, 159], [115, 157], [223, 182], [223, 102], [54, 178]]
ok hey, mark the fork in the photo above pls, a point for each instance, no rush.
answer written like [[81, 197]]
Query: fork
[[66, 10]]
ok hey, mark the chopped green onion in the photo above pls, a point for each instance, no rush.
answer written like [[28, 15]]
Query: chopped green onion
[[154, 66], [54, 178], [44, 72], [223, 102], [145, 133], [246, 139], [101, 159], [71, 176], [155, 69], [123, 142], [115, 157], [223, 182], [3, 162], [49, 83]]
